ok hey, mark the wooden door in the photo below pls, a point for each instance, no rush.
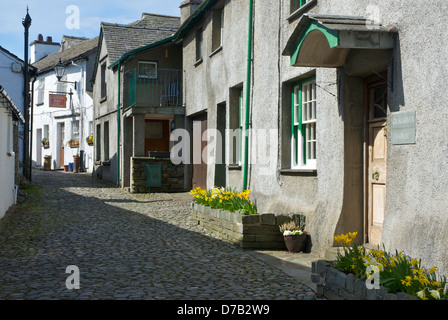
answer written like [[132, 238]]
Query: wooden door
[[157, 136], [199, 178], [62, 137], [376, 91]]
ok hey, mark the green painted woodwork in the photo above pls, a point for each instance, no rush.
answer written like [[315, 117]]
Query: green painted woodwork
[[331, 35]]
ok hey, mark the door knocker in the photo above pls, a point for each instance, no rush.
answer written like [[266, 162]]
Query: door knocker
[[375, 175]]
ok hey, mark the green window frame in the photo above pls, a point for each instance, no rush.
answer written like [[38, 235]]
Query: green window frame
[[303, 124]]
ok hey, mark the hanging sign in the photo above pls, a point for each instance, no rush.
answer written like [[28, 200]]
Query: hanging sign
[[58, 100]]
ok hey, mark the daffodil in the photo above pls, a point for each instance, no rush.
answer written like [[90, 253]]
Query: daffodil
[[435, 294], [421, 294]]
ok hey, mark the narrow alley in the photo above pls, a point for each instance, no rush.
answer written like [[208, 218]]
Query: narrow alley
[[125, 246]]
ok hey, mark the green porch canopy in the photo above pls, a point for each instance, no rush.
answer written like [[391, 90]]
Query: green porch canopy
[[325, 40]]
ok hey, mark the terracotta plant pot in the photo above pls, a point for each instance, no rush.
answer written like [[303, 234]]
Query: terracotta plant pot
[[75, 164], [296, 243]]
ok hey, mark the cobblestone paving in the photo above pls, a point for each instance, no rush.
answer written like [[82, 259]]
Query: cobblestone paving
[[125, 246]]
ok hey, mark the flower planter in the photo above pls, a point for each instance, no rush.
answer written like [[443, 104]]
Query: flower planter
[[296, 243], [258, 231], [337, 285]]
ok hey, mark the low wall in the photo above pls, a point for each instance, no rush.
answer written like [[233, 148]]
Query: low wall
[[172, 175], [260, 231], [337, 285]]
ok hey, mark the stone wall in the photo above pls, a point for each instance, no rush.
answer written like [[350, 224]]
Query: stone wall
[[172, 175], [337, 285], [260, 231]]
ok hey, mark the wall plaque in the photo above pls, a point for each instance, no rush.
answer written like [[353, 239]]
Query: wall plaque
[[403, 128]]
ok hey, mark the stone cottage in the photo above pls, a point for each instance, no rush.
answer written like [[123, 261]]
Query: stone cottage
[[138, 103], [63, 108], [333, 110]]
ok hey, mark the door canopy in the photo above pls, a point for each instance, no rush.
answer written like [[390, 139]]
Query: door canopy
[[325, 40]]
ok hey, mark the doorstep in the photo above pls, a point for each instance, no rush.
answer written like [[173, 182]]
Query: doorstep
[[296, 265]]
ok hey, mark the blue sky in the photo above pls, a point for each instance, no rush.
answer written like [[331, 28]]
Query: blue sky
[[50, 17]]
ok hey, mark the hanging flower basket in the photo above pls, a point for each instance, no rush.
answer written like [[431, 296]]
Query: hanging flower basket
[[89, 140], [73, 143], [46, 143]]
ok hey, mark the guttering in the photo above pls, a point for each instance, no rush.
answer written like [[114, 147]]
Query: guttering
[[248, 85], [130, 54], [178, 35]]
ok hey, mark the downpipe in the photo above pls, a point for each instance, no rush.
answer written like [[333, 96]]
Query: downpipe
[[248, 86]]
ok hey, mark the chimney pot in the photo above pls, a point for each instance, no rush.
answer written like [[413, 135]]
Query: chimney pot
[[49, 39], [40, 37]]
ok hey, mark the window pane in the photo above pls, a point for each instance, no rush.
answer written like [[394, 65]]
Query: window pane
[[147, 70]]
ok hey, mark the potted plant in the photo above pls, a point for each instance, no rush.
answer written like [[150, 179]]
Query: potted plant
[[295, 235], [73, 143], [46, 143], [89, 139]]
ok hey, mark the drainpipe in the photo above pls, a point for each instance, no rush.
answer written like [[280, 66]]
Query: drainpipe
[[248, 84], [118, 125], [31, 130]]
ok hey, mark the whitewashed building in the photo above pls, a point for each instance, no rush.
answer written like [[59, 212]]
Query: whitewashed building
[[63, 108], [11, 79], [10, 117]]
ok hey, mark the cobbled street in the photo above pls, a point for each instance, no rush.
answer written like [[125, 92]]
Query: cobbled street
[[126, 247]]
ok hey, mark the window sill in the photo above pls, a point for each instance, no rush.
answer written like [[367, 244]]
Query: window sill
[[197, 63], [97, 162], [234, 167], [11, 153], [39, 104], [300, 11], [219, 49], [103, 99], [298, 172], [106, 163]]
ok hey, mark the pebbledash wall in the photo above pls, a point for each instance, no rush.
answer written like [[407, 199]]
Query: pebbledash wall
[[415, 220]]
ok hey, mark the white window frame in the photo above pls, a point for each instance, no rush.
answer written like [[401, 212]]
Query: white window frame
[[40, 92], [303, 133], [75, 129], [147, 75]]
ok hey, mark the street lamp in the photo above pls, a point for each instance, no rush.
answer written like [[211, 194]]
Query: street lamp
[[59, 71]]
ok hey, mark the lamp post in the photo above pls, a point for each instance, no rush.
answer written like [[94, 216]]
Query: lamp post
[[26, 22]]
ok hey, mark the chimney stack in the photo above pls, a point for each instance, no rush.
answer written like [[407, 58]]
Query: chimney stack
[[41, 48], [187, 7]]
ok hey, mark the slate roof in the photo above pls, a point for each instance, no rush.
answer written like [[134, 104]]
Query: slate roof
[[73, 53], [6, 102], [70, 41], [151, 28]]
